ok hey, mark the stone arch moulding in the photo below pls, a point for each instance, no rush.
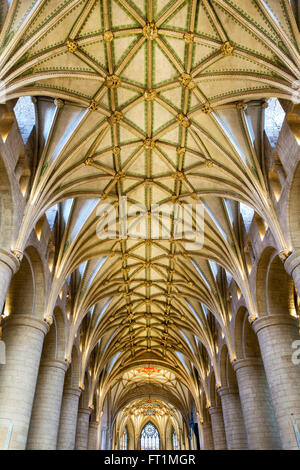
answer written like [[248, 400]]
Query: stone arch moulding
[[26, 295]]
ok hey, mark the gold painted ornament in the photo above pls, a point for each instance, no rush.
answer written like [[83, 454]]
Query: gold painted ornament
[[150, 95], [115, 117], [72, 46], [185, 79], [150, 31], [188, 37], [183, 120], [93, 106], [113, 81], [227, 49], [108, 36]]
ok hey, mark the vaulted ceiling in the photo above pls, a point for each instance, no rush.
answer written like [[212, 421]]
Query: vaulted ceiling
[[161, 102]]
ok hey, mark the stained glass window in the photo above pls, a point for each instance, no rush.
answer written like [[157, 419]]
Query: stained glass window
[[175, 441], [124, 440], [150, 439]]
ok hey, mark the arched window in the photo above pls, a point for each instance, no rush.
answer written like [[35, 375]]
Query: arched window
[[175, 441], [124, 440], [150, 439]]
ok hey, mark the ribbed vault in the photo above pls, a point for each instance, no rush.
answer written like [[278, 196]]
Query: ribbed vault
[[162, 102]]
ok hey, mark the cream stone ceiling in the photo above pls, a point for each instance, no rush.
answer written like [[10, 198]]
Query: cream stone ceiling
[[173, 383], [138, 413], [162, 102]]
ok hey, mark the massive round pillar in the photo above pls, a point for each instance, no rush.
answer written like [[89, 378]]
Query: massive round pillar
[[103, 437], [218, 428], [259, 418], [276, 335], [24, 337], [93, 441], [82, 432], [207, 437], [47, 405], [68, 419], [233, 419]]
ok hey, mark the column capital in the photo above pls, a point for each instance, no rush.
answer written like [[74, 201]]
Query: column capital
[[292, 261], [84, 411], [55, 363], [11, 260], [94, 424], [72, 391], [25, 320], [205, 425], [247, 362], [213, 410], [273, 320], [227, 391]]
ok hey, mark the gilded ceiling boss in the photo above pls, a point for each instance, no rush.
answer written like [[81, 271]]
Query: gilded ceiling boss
[[108, 109]]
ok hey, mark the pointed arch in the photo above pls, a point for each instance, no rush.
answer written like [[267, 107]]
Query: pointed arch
[[150, 438]]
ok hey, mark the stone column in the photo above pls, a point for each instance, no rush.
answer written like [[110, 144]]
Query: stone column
[[68, 419], [208, 443], [169, 443], [82, 431], [103, 437], [180, 438], [187, 441], [218, 428], [9, 265], [181, 442], [259, 418], [24, 337], [276, 335], [233, 419], [47, 405], [137, 443], [93, 436]]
